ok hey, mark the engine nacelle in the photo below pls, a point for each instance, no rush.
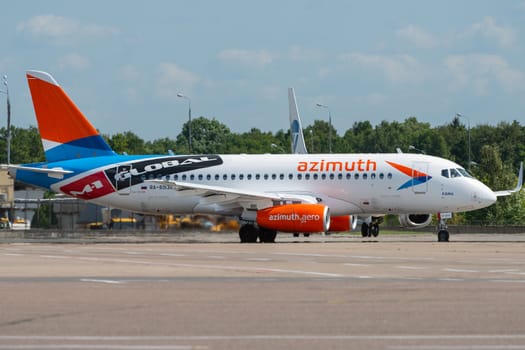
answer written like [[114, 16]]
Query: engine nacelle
[[343, 223], [304, 218], [415, 220]]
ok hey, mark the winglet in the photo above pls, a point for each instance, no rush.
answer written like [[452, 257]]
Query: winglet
[[65, 132], [296, 129], [516, 189]]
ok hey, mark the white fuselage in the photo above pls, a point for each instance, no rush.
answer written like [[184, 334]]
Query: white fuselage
[[347, 183]]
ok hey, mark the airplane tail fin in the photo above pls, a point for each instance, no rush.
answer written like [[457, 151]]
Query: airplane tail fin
[[65, 131], [296, 129]]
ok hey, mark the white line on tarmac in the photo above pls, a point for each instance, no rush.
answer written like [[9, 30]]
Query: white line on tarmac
[[272, 337], [460, 270], [100, 281], [410, 267], [198, 266]]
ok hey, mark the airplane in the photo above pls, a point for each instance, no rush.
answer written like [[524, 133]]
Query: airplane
[[269, 193], [369, 223]]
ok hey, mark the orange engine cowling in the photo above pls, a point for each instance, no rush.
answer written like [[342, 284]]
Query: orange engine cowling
[[343, 223], [306, 218]]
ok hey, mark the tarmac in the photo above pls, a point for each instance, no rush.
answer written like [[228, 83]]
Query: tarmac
[[206, 291]]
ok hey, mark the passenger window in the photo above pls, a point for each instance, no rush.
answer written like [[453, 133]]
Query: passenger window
[[281, 176], [257, 176], [241, 176], [365, 176], [323, 176], [274, 176], [217, 177], [373, 176], [225, 177], [233, 177], [340, 176], [208, 177], [332, 176], [356, 176], [381, 176], [307, 176], [316, 176], [299, 176], [348, 176], [249, 176], [290, 176], [266, 176], [389, 176], [200, 177]]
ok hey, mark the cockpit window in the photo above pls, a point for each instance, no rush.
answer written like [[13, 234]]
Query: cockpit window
[[454, 173], [464, 172], [444, 173]]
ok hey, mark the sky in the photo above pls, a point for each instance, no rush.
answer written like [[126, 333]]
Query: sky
[[124, 62]]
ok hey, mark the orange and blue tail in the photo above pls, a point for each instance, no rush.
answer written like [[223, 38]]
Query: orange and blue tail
[[65, 131]]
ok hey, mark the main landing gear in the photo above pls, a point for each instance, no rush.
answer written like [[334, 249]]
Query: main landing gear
[[248, 233], [369, 230]]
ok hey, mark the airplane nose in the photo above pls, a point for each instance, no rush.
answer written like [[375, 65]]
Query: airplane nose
[[483, 196]]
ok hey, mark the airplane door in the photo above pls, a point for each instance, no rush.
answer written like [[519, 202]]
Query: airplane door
[[420, 177], [123, 182]]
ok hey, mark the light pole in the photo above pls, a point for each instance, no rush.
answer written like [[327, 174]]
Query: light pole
[[8, 120], [459, 115], [312, 140], [413, 148], [329, 126], [189, 119]]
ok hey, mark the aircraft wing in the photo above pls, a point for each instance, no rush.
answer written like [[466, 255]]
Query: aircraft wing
[[238, 194], [516, 189]]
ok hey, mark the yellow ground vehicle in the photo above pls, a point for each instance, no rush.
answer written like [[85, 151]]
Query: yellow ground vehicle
[[122, 223]]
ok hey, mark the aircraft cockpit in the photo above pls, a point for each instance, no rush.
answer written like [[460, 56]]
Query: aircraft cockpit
[[455, 172]]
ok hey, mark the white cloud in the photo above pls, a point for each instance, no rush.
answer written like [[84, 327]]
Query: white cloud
[[417, 36], [173, 80], [396, 68], [258, 58], [129, 73], [479, 72], [74, 61], [504, 36], [60, 28]]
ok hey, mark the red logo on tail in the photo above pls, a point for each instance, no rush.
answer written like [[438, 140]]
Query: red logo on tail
[[90, 187]]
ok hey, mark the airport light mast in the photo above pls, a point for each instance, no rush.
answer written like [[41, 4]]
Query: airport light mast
[[8, 120], [189, 120], [329, 126]]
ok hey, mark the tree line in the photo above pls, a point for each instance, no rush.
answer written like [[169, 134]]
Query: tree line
[[492, 155]]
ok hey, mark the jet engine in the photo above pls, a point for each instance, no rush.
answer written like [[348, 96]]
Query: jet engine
[[415, 220], [304, 218], [343, 223]]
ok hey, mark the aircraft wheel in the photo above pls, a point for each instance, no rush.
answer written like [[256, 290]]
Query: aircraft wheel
[[248, 234], [443, 236], [306, 234], [267, 236], [364, 229], [296, 235], [374, 230]]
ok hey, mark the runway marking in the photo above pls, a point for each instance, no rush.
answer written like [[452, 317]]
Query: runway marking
[[360, 265], [258, 259], [460, 270], [197, 266], [101, 281], [503, 270], [272, 337], [410, 267]]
